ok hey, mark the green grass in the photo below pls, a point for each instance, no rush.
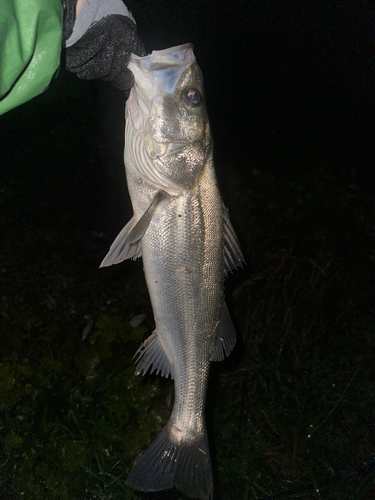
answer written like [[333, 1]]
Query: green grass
[[290, 413]]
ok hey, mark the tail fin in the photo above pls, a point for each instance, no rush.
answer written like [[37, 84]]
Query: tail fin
[[166, 463]]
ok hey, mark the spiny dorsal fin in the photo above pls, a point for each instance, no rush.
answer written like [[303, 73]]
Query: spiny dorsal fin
[[128, 242]]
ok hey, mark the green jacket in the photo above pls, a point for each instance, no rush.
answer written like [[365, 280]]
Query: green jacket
[[30, 46]]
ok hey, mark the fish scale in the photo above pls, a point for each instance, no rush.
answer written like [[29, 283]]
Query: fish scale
[[183, 233]]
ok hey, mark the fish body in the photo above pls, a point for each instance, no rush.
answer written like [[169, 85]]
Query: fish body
[[187, 243]]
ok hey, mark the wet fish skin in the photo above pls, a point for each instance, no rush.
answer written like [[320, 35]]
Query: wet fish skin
[[187, 244]]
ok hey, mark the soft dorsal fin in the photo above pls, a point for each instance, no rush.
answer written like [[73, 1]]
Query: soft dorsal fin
[[233, 257], [128, 242], [151, 352], [225, 336]]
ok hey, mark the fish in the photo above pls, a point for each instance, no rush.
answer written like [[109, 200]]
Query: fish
[[182, 230]]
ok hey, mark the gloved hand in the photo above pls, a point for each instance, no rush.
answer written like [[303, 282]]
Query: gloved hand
[[104, 52], [104, 36]]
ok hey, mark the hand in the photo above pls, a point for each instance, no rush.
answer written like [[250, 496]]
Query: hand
[[104, 51], [102, 41]]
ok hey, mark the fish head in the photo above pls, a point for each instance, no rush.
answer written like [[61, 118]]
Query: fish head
[[168, 106]]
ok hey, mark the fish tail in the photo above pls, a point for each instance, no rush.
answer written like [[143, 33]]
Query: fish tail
[[168, 462]]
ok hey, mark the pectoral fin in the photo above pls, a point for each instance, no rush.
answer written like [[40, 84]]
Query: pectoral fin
[[225, 336], [127, 244], [233, 257]]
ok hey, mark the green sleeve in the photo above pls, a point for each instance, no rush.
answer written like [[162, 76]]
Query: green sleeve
[[30, 45]]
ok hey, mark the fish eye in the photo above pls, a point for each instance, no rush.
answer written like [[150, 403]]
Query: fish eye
[[192, 97]]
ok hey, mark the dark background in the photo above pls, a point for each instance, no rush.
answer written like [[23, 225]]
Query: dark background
[[300, 67], [290, 95], [306, 65]]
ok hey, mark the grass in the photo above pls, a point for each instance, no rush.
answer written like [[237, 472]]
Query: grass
[[290, 413]]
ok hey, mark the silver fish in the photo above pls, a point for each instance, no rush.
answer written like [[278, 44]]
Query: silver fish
[[183, 232]]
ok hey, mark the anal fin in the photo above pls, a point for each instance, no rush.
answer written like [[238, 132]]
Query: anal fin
[[225, 336], [151, 353]]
